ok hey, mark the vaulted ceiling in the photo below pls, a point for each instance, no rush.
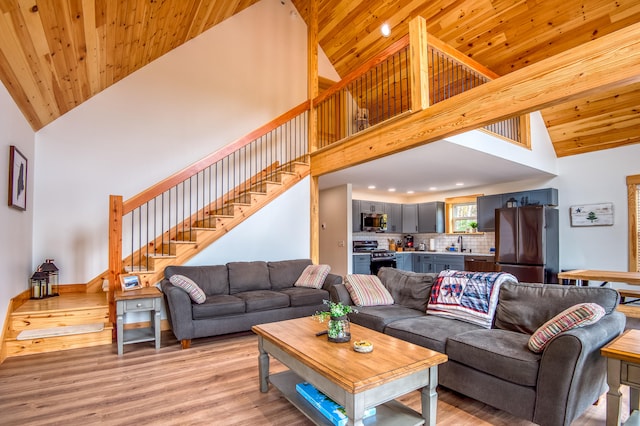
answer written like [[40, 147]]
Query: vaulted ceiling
[[56, 54]]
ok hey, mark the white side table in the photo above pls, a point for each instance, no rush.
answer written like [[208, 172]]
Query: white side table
[[147, 299]]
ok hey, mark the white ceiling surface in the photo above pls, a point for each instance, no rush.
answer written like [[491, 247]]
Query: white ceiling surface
[[439, 164]]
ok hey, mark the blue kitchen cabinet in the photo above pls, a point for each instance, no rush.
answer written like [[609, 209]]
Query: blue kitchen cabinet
[[404, 261], [361, 264]]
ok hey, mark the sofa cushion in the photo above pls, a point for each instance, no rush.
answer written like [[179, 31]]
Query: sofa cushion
[[284, 273], [410, 289], [212, 279], [500, 353], [246, 276], [429, 331], [263, 300], [576, 316], [524, 307], [377, 317], [195, 293], [313, 276], [304, 296], [367, 290], [218, 305]]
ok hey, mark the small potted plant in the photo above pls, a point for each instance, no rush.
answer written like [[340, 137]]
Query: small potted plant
[[474, 226], [338, 329]]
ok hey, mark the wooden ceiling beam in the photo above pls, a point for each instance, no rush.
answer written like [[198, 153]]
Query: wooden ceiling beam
[[579, 72]]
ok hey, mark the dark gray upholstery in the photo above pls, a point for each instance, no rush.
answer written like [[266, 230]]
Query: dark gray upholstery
[[501, 353], [410, 289], [495, 365], [284, 273], [523, 307], [212, 279], [429, 331], [246, 276], [241, 295]]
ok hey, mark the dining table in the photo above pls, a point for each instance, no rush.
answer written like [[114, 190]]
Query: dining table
[[582, 275]]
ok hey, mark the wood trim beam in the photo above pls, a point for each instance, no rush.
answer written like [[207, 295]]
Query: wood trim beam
[[632, 203], [418, 54], [314, 196], [576, 73]]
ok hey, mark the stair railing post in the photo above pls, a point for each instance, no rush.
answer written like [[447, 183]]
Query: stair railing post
[[115, 249]]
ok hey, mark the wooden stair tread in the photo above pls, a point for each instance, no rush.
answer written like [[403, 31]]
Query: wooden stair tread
[[62, 303], [629, 293]]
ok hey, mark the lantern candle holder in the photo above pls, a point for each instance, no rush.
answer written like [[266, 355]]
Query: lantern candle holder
[[44, 282]]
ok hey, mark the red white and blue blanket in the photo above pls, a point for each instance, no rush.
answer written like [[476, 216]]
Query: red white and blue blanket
[[467, 296]]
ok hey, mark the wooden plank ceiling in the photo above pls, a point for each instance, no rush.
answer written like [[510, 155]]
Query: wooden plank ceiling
[[55, 54]]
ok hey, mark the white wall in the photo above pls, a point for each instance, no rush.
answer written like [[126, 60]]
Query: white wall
[[188, 103], [16, 247], [336, 234], [596, 177]]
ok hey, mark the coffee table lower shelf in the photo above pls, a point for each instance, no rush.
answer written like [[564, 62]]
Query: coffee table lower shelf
[[390, 413]]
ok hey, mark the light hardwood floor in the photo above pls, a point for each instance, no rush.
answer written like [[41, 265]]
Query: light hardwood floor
[[215, 382]]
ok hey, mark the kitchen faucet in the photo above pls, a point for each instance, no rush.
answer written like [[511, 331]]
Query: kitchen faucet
[[460, 243]]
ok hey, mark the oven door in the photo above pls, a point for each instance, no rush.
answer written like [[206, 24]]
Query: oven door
[[376, 265]]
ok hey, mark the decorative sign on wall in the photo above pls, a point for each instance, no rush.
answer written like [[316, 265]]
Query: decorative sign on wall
[[592, 214]]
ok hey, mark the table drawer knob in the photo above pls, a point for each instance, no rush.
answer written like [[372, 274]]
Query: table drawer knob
[[139, 305]]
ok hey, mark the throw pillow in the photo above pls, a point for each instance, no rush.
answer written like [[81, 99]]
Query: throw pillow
[[313, 276], [367, 290], [195, 293], [576, 316]]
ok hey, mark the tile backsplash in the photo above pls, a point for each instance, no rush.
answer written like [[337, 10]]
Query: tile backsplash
[[481, 242]]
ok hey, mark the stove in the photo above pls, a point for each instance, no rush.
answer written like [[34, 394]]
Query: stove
[[379, 257]]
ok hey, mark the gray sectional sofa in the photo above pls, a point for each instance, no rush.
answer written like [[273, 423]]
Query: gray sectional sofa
[[240, 295], [495, 365]]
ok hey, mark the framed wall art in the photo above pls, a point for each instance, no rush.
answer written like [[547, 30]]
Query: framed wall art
[[592, 214], [130, 282], [17, 179]]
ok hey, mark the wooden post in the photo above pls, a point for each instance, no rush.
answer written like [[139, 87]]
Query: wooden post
[[312, 61], [115, 249], [418, 49]]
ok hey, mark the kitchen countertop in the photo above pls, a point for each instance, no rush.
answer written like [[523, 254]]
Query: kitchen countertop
[[436, 252]]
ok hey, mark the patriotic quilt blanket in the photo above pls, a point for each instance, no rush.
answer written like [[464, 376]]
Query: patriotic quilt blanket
[[467, 296]]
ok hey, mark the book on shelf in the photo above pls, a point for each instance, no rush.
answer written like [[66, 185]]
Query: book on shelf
[[328, 407]]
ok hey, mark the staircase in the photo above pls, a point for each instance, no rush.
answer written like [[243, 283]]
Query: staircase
[[206, 226], [68, 321]]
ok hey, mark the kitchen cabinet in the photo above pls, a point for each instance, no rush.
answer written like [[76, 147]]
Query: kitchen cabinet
[[355, 216], [394, 217], [409, 218], [372, 207], [448, 261], [480, 264], [431, 217], [361, 264], [489, 203], [486, 212], [423, 262], [404, 261]]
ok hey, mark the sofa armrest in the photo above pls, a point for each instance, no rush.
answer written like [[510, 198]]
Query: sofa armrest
[[179, 311], [572, 372], [340, 294], [331, 280]]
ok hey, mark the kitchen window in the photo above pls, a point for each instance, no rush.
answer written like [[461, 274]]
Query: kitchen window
[[461, 212]]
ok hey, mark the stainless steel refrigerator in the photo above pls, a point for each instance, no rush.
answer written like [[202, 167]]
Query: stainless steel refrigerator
[[527, 243]]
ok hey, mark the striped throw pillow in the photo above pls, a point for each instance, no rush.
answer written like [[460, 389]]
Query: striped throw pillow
[[367, 290], [195, 293], [576, 316], [313, 276]]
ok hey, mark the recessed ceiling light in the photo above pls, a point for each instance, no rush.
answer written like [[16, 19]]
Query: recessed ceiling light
[[385, 29], [410, 192], [392, 190], [459, 183], [371, 187], [433, 188]]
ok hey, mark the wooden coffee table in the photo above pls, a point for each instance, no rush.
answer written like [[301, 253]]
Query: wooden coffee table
[[357, 381]]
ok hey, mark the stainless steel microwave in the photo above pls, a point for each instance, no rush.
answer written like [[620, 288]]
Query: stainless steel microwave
[[373, 222]]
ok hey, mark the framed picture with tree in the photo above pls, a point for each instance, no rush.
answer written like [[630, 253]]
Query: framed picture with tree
[[17, 179]]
